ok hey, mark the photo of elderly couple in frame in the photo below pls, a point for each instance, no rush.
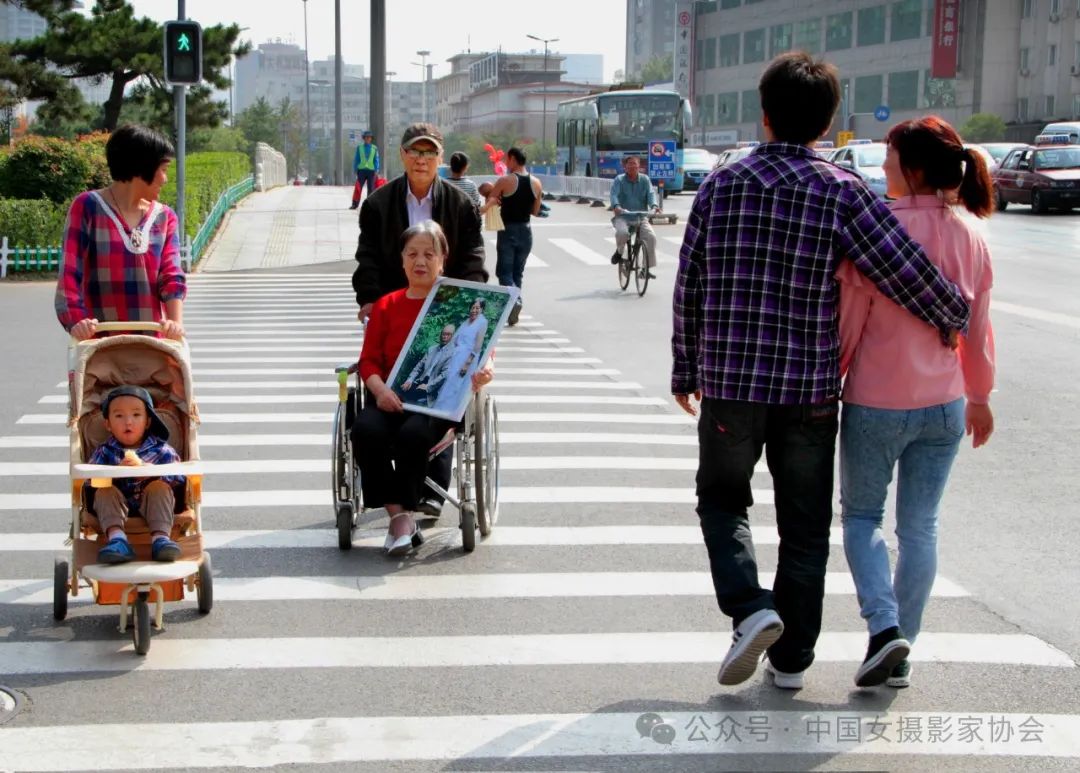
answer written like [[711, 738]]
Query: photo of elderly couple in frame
[[450, 340]]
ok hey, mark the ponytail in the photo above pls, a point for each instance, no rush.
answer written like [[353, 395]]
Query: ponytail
[[976, 188]]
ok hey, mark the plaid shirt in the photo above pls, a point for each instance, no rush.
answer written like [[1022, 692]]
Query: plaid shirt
[[101, 278], [153, 450], [756, 296]]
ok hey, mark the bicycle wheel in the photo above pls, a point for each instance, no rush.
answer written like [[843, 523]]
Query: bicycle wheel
[[624, 267], [641, 268]]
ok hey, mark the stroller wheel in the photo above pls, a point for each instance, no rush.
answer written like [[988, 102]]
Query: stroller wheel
[[140, 631], [205, 588], [61, 575]]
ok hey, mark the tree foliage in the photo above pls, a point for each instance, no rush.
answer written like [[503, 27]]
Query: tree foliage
[[983, 127], [44, 167], [659, 69], [114, 45]]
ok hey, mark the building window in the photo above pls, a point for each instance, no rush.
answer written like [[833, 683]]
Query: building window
[[730, 3], [1025, 9], [938, 92], [904, 90], [1022, 109], [808, 36], [1076, 53], [729, 50], [838, 31], [868, 93], [727, 108], [710, 53], [699, 55], [779, 39], [906, 20], [1076, 106], [1051, 55], [1050, 106], [871, 27], [708, 115], [1025, 57], [1055, 6], [751, 106], [754, 46]]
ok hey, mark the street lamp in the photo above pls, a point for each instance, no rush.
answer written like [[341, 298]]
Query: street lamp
[[422, 64], [543, 126], [307, 90]]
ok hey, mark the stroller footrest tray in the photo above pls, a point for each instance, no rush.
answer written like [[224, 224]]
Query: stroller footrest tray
[[139, 572]]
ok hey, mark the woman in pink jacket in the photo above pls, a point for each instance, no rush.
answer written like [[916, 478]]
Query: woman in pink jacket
[[904, 395]]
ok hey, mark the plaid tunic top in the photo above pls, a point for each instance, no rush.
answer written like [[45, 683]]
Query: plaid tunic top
[[105, 276], [755, 309], [153, 450]]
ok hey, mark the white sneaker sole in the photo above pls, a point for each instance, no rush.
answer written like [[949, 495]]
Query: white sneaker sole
[[876, 670], [784, 681], [742, 659], [899, 682]]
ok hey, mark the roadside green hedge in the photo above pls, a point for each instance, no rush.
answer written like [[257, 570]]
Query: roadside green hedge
[[45, 167], [208, 176], [40, 222]]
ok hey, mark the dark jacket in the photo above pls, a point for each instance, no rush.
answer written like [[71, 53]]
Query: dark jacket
[[384, 217]]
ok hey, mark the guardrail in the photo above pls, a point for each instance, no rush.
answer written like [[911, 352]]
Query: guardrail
[[586, 190]]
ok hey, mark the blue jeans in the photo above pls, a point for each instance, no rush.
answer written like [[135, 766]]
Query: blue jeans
[[922, 443], [512, 247]]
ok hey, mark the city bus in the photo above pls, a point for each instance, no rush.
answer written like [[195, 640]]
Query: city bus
[[594, 133]]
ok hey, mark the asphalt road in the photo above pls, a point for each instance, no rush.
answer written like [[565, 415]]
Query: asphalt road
[[588, 607]]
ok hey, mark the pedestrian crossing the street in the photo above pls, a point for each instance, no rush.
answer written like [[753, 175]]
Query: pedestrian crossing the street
[[582, 633]]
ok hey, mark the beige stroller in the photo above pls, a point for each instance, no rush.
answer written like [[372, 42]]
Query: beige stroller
[[162, 367]]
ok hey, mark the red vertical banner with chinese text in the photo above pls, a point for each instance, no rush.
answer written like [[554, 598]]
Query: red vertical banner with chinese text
[[946, 44]]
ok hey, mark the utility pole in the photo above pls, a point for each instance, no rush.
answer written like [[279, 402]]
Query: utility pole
[[377, 79], [180, 101], [307, 90], [543, 126], [338, 69]]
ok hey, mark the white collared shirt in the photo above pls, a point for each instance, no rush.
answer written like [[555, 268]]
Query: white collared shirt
[[419, 209]]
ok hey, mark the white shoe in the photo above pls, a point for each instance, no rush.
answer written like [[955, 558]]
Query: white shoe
[[751, 638], [784, 680], [396, 546]]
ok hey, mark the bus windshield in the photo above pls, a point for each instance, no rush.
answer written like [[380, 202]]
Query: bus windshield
[[627, 121]]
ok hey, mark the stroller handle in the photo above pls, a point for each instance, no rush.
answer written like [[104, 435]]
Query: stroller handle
[[113, 327]]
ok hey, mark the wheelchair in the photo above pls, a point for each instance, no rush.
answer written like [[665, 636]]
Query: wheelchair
[[475, 441]]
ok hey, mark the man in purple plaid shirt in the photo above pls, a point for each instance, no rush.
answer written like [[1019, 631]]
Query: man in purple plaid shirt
[[756, 341]]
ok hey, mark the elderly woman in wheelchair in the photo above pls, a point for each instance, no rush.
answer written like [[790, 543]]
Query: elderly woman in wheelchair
[[391, 446]]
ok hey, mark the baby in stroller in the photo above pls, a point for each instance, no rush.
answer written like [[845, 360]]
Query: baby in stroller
[[137, 436]]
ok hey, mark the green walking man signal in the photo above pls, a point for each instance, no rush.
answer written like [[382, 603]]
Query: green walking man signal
[[183, 53]]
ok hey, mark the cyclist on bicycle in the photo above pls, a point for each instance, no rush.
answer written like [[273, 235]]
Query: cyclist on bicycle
[[633, 192]]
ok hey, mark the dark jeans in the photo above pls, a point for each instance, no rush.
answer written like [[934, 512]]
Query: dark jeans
[[512, 247], [391, 450], [364, 177], [799, 443]]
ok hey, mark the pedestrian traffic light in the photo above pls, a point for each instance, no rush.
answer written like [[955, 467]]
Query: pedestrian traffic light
[[183, 52]]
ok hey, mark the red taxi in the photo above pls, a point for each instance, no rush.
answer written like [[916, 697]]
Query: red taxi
[[1044, 175]]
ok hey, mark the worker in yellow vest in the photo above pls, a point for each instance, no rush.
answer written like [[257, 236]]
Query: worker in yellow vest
[[366, 164]]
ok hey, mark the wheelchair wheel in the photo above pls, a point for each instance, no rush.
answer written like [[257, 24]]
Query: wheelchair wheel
[[140, 623], [346, 492], [468, 526], [204, 590], [61, 575], [641, 268], [487, 466]]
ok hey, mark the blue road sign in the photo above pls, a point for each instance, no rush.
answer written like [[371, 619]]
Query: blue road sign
[[882, 113], [661, 160], [352, 135]]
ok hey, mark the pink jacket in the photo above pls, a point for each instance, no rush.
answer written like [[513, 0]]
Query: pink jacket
[[894, 360]]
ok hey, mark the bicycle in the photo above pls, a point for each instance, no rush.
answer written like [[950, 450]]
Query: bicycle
[[636, 262]]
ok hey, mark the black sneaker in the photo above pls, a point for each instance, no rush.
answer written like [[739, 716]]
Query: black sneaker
[[430, 507], [900, 676], [514, 314], [616, 258], [886, 650], [651, 274]]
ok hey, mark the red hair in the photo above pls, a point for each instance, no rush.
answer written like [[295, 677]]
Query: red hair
[[933, 147]]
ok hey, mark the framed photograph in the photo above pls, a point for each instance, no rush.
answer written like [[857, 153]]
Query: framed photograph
[[458, 325]]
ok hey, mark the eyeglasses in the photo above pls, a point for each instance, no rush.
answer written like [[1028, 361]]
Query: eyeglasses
[[414, 153]]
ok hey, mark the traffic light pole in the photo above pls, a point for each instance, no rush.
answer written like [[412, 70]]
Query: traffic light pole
[[180, 98]]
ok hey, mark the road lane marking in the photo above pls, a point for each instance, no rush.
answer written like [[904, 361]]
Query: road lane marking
[[445, 587], [533, 261], [1041, 315], [184, 654], [346, 349], [329, 397], [497, 385], [586, 255], [661, 257], [332, 361]]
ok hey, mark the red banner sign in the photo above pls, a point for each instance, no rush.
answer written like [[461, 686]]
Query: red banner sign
[[946, 39]]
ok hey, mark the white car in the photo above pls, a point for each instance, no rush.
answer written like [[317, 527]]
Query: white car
[[867, 161]]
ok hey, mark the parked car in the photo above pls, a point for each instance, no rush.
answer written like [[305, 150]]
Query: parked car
[[1043, 176], [734, 154], [998, 150], [989, 159], [697, 163], [866, 160], [1072, 128]]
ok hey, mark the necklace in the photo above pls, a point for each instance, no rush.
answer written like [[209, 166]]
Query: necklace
[[134, 234]]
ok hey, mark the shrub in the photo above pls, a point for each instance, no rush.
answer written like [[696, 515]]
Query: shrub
[[44, 167], [34, 223], [208, 176], [92, 148]]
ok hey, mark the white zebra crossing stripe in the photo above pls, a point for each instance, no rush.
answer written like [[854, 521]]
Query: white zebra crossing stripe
[[503, 536], [586, 255], [601, 736], [635, 495], [176, 654], [331, 398], [661, 257], [333, 361], [346, 349], [497, 385], [443, 587], [534, 260], [326, 416]]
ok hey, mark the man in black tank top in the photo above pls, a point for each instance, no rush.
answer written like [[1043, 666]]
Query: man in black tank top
[[519, 193]]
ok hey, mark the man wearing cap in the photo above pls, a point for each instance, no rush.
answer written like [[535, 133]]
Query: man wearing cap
[[366, 164], [418, 195]]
